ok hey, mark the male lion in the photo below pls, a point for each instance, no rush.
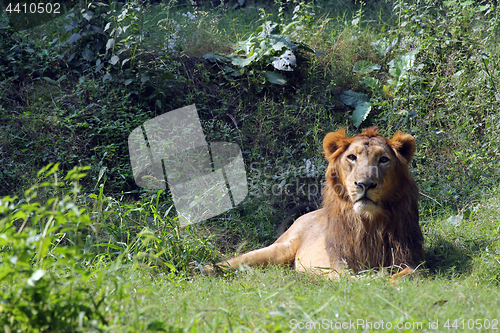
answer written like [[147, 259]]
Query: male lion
[[369, 217]]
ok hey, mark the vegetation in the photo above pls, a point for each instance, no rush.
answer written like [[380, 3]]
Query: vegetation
[[82, 248]]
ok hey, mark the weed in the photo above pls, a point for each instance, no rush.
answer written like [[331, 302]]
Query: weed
[[272, 44]]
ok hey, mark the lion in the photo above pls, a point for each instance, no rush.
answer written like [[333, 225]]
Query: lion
[[369, 217]]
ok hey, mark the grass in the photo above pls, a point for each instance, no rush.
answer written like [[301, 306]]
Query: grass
[[98, 254], [461, 286], [140, 286], [278, 300]]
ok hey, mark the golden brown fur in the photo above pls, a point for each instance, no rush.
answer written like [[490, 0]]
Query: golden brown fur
[[369, 217]]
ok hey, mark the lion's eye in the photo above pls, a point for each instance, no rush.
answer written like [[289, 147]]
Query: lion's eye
[[351, 157], [384, 159]]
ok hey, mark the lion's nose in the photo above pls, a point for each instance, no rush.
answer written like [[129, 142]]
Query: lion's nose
[[366, 185]]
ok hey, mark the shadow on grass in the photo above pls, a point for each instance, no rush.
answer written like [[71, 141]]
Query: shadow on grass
[[447, 259]]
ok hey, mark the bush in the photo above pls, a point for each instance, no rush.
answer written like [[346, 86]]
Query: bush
[[45, 274]]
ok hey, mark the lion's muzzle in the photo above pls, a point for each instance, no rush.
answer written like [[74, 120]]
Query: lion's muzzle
[[365, 185]]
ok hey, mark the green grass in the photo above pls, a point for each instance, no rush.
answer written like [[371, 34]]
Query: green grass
[[277, 299], [63, 281], [461, 284]]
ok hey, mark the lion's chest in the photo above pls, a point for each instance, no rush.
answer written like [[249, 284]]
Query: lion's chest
[[313, 253], [313, 256]]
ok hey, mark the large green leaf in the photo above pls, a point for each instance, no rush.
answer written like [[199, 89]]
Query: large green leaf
[[399, 68], [246, 46], [364, 67], [242, 62], [360, 113], [275, 78], [279, 42], [353, 98], [305, 47], [74, 38], [372, 82], [383, 46], [214, 57], [361, 103]]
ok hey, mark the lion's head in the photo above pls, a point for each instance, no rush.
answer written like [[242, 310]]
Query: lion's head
[[367, 170]]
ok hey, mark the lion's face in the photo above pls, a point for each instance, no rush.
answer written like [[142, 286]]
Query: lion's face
[[365, 167], [366, 170]]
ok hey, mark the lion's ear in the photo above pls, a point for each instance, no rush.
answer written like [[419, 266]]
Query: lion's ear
[[333, 141], [404, 144]]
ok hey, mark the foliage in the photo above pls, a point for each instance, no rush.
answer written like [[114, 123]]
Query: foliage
[[113, 258], [42, 258], [411, 47], [106, 37], [6, 43], [445, 86], [148, 235], [398, 62], [400, 70], [422, 72], [271, 45], [53, 279], [434, 73], [19, 59], [55, 273], [361, 104]]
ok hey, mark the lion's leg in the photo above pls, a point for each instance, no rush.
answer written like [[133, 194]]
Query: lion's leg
[[277, 253], [404, 272]]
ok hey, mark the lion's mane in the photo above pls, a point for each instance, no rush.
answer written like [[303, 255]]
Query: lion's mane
[[391, 238]]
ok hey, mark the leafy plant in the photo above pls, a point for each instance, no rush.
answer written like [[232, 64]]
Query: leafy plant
[[154, 238], [401, 72], [44, 267], [106, 37], [361, 104], [20, 58], [54, 275], [269, 50], [88, 38]]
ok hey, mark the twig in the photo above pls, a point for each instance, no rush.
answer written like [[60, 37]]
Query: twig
[[425, 195]]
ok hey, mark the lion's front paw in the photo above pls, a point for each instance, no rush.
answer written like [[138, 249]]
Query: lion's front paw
[[208, 269]]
